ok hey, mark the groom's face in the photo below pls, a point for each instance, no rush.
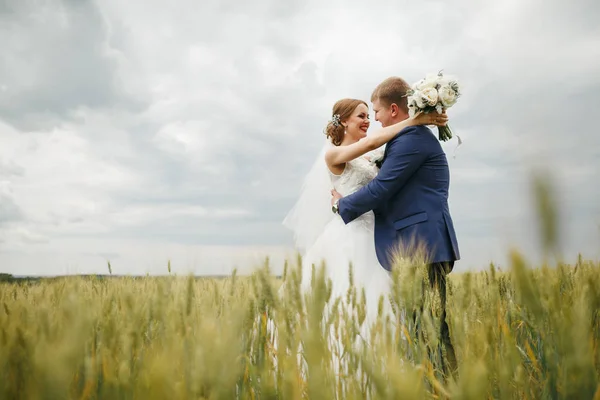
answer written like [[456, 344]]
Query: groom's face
[[383, 113]]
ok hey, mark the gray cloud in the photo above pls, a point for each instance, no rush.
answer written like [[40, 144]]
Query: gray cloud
[[10, 169], [55, 60], [9, 210]]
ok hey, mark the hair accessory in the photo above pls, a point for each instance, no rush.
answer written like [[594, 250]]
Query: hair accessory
[[336, 120]]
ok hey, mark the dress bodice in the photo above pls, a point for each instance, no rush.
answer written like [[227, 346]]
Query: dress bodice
[[357, 174]]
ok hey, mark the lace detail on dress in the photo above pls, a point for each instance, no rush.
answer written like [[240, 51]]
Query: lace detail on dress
[[357, 174]]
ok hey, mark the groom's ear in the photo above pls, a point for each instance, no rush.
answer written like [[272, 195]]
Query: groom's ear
[[394, 109]]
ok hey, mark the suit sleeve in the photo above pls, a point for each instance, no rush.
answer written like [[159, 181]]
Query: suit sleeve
[[405, 154]]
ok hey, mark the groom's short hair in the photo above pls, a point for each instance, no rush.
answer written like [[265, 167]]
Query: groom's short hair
[[393, 90]]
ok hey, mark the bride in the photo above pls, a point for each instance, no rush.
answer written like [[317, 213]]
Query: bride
[[345, 164]]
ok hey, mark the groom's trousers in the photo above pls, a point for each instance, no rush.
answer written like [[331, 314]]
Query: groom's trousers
[[437, 281]]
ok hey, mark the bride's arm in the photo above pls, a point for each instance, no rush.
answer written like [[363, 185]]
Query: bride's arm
[[339, 155]]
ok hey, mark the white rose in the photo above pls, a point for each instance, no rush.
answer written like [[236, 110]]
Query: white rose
[[447, 96], [430, 96], [443, 81], [428, 83], [417, 99]]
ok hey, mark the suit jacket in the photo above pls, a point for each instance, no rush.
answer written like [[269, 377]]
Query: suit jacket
[[409, 198]]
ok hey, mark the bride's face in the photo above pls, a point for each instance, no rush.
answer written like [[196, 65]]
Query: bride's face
[[358, 123]]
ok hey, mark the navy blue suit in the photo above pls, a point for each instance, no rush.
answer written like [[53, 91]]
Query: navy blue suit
[[409, 198]]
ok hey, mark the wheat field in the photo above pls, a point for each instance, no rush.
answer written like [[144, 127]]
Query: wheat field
[[520, 333]]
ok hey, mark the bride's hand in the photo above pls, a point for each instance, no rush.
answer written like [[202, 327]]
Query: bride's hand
[[432, 118]]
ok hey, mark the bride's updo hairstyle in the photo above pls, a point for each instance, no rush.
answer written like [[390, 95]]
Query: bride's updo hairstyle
[[342, 110]]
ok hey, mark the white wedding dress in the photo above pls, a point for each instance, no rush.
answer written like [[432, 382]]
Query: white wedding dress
[[324, 237], [340, 245]]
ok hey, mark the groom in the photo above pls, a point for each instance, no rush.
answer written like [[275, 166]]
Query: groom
[[409, 196]]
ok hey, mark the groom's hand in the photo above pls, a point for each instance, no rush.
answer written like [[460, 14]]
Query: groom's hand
[[335, 196]]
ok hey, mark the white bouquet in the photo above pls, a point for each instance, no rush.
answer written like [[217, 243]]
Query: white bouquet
[[434, 93]]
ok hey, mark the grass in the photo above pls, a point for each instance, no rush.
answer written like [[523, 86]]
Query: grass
[[523, 333]]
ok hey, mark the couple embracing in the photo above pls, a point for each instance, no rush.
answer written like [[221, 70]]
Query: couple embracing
[[359, 204]]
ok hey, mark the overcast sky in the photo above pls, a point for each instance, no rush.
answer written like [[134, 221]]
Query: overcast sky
[[143, 131]]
